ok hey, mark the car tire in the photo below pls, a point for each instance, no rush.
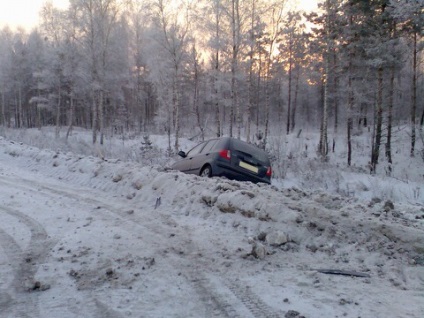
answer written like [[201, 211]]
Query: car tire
[[206, 171]]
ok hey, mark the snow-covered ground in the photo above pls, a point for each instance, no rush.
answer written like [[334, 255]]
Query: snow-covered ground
[[82, 236]]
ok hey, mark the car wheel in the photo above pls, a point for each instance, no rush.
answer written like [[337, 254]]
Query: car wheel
[[206, 172]]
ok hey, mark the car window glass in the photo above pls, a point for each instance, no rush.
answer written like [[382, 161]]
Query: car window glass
[[196, 149], [209, 146], [220, 144]]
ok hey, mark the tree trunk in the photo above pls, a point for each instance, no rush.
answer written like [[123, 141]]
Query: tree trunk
[[196, 97], [217, 113], [238, 114], [422, 120], [217, 106], [267, 83], [363, 116], [177, 121], [351, 100], [249, 105], [390, 118], [289, 90], [101, 116], [390, 110], [3, 110], [70, 118], [20, 108], [58, 111], [258, 94], [296, 93], [414, 93], [336, 99], [233, 64], [323, 140], [251, 72], [215, 76], [379, 122], [94, 119], [349, 114], [168, 127], [336, 102], [267, 104]]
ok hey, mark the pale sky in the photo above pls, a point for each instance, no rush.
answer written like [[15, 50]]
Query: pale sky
[[24, 12]]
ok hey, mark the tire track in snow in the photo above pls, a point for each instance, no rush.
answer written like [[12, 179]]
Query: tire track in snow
[[10, 247], [13, 252], [25, 262], [216, 304], [225, 297], [215, 294], [256, 306], [146, 224], [152, 222]]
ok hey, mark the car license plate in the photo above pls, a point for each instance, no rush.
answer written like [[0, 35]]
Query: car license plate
[[248, 167]]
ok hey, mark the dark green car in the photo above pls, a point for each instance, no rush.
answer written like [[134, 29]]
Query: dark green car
[[226, 157]]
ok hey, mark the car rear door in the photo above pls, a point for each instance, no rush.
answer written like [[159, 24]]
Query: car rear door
[[185, 164], [193, 156], [203, 157]]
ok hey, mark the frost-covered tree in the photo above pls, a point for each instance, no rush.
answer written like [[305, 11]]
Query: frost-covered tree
[[51, 79], [324, 35], [96, 20], [292, 48], [213, 28], [5, 74], [169, 45], [410, 16], [21, 77], [39, 103], [143, 105], [275, 18], [252, 43]]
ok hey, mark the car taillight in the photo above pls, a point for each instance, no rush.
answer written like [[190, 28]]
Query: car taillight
[[269, 172], [226, 154]]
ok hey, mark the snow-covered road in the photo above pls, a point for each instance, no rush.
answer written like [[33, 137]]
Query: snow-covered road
[[83, 237]]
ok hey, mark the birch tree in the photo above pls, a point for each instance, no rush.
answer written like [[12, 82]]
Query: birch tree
[[275, 20], [54, 27], [96, 19], [254, 52], [328, 31], [410, 15], [216, 45], [21, 76], [214, 27], [142, 88], [5, 73], [235, 49], [378, 59], [293, 52], [171, 36]]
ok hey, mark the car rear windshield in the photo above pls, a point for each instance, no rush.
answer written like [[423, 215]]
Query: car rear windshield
[[252, 150]]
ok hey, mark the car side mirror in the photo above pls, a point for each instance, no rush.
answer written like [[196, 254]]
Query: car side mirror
[[182, 154]]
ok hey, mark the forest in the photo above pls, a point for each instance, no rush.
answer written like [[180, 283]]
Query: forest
[[201, 68]]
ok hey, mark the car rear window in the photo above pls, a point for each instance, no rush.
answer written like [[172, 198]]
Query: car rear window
[[251, 149]]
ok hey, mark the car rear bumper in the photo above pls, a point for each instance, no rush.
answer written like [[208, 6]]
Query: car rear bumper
[[221, 170]]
